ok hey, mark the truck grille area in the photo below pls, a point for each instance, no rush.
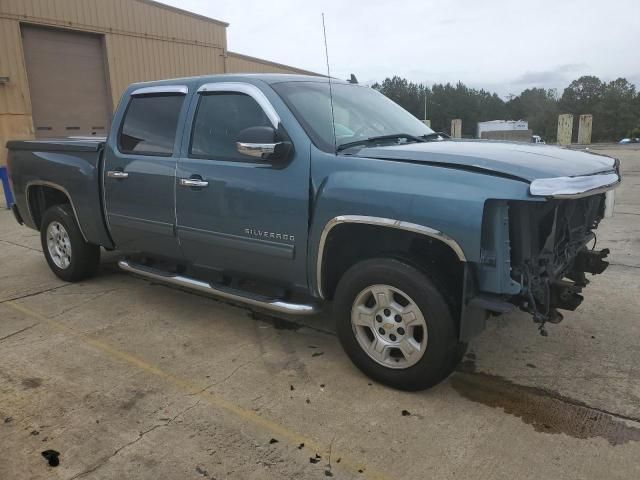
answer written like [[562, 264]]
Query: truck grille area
[[549, 253]]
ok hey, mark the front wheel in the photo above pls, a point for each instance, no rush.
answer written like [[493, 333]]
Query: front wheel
[[395, 324], [69, 256]]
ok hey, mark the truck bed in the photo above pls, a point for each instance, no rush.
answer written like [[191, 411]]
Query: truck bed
[[71, 144], [71, 166]]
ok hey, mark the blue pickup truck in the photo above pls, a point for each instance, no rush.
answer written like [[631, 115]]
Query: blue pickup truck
[[291, 194]]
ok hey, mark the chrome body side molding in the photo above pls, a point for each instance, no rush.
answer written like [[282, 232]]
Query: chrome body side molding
[[574, 187], [160, 89], [220, 291], [382, 222], [248, 89], [43, 183]]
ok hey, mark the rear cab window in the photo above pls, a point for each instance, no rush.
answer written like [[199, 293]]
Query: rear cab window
[[150, 124]]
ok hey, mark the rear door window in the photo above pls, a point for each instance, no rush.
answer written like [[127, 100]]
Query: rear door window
[[150, 124]]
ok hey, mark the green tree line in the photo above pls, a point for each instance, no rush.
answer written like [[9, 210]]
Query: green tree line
[[615, 106]]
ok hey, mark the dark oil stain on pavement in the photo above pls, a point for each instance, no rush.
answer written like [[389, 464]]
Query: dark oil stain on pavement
[[129, 404], [545, 410], [52, 457], [31, 382]]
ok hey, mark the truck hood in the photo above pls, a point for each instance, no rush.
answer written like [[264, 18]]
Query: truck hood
[[521, 160]]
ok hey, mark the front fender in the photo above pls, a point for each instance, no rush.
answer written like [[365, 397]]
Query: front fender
[[446, 200]]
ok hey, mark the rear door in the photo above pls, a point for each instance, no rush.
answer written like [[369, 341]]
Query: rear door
[[139, 172], [249, 217]]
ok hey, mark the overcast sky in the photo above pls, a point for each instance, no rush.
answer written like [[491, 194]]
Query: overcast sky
[[500, 45]]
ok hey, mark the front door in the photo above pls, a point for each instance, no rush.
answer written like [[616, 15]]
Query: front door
[[243, 215], [139, 172]]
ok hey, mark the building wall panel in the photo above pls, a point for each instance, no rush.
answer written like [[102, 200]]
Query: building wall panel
[[138, 60], [15, 106], [132, 17], [14, 127], [238, 63], [14, 96]]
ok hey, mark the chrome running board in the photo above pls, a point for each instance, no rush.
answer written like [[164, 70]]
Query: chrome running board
[[219, 291]]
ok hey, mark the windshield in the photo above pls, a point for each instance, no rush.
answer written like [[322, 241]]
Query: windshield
[[360, 113]]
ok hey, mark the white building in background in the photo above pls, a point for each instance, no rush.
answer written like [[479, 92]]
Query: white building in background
[[501, 126]]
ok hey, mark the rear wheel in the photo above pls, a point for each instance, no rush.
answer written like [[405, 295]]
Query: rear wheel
[[67, 253], [395, 324]]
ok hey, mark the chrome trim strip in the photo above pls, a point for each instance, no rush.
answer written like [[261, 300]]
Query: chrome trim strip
[[193, 182], [574, 187], [179, 89], [256, 149], [248, 89], [383, 222], [609, 203], [228, 294], [57, 187], [117, 174], [151, 226], [102, 166], [243, 243]]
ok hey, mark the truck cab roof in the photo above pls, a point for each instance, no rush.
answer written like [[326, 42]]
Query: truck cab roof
[[269, 78]]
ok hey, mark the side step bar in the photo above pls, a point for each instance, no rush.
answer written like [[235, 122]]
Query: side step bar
[[219, 291]]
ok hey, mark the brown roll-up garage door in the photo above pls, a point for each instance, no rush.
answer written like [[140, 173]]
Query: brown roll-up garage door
[[67, 82]]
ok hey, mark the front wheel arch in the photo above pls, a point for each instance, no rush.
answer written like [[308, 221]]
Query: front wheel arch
[[349, 243]]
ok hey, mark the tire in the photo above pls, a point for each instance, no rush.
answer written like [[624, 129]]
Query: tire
[[68, 255], [417, 316]]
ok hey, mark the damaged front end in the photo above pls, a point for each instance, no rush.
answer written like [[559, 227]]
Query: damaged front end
[[552, 247]]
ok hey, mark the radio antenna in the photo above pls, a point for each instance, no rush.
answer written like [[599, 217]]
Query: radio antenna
[[333, 117]]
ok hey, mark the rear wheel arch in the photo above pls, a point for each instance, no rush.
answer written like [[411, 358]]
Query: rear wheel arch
[[41, 196]]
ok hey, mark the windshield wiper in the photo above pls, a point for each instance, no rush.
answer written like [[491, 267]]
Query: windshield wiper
[[436, 136], [366, 141]]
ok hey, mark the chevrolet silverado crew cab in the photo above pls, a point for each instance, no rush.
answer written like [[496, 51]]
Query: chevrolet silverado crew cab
[[285, 194]]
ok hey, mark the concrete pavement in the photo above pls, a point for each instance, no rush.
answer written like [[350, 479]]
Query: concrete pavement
[[130, 379]]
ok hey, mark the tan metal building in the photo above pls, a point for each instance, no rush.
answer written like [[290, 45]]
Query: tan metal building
[[64, 63]]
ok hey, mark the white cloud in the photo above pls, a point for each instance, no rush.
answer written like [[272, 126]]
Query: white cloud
[[498, 44]]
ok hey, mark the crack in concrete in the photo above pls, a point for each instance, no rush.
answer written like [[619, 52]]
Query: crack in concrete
[[94, 297], [330, 452], [133, 442], [34, 294], [19, 331], [624, 265], [19, 245], [235, 370]]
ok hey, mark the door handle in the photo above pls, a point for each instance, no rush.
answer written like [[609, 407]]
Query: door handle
[[117, 174], [193, 182]]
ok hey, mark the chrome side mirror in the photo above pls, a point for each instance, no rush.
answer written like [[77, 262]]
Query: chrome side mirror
[[258, 150], [262, 143]]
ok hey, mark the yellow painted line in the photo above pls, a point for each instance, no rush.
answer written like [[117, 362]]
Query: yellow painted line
[[249, 416]]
